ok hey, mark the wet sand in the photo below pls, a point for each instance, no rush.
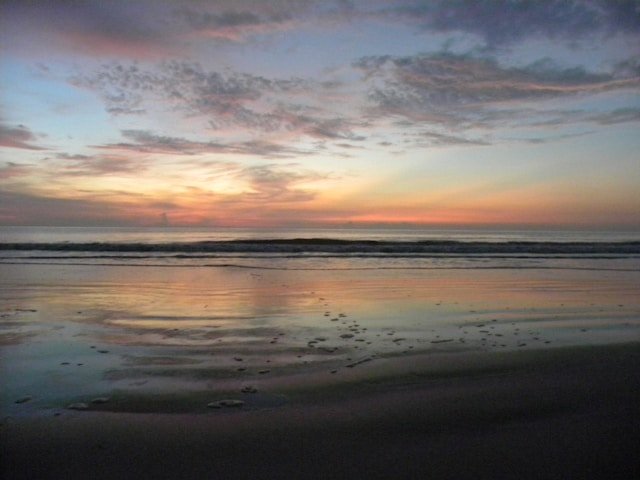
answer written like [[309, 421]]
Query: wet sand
[[574, 415], [132, 372]]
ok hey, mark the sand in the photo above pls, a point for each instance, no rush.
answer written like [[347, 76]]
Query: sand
[[573, 414], [168, 373]]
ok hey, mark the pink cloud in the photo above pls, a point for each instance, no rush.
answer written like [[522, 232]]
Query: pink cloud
[[17, 137], [11, 170], [96, 43]]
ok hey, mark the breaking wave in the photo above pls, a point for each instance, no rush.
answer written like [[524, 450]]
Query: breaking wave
[[321, 246]]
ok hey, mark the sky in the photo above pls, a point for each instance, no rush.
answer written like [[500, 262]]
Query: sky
[[293, 113]]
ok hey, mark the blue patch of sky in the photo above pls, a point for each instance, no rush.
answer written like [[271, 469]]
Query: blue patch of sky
[[49, 105], [599, 57], [309, 52]]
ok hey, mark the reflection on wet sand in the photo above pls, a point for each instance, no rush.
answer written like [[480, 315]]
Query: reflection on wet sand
[[70, 334]]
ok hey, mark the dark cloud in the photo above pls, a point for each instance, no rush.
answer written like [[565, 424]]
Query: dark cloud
[[75, 156], [628, 68], [245, 20], [336, 128], [147, 142], [201, 20], [620, 115], [18, 137], [496, 22], [143, 141], [548, 138], [27, 208], [187, 86], [236, 25], [160, 28], [92, 27], [501, 22], [558, 118], [144, 29], [12, 169], [102, 165], [467, 91], [226, 98], [349, 146], [442, 140], [267, 149], [451, 79]]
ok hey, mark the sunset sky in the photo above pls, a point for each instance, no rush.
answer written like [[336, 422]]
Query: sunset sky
[[320, 113]]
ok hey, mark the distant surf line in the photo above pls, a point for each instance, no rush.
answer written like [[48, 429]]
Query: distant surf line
[[343, 247], [262, 267], [373, 255]]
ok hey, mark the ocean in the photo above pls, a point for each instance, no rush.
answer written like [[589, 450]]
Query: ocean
[[157, 235], [319, 248]]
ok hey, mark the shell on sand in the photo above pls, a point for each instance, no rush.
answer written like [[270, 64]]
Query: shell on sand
[[226, 403]]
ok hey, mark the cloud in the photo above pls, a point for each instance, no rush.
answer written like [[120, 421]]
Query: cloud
[[620, 115], [267, 149], [274, 183], [12, 169], [467, 91], [442, 140], [245, 20], [548, 138], [556, 118], [258, 186], [236, 25], [266, 189], [628, 68], [503, 22], [496, 22], [18, 137], [349, 146], [146, 29], [252, 102], [452, 91], [451, 79], [222, 20], [336, 128], [76, 208], [143, 141], [101, 165], [186, 86], [116, 29], [153, 29], [69, 156]]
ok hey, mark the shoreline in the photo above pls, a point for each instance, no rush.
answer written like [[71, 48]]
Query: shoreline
[[472, 373], [572, 413]]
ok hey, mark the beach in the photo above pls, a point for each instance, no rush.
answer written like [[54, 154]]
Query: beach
[[315, 365], [574, 418]]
